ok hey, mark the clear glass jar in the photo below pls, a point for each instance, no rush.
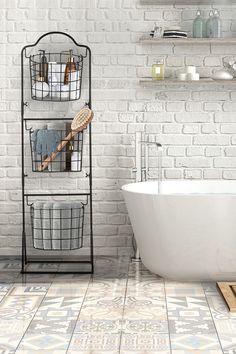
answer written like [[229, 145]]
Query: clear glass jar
[[158, 70]]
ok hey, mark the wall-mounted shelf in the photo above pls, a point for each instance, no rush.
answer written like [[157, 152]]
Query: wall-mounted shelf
[[148, 40], [149, 83], [187, 2]]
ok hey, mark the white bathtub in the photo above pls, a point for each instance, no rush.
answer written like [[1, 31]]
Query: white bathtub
[[187, 231]]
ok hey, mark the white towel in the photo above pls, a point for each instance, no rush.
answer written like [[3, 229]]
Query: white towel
[[74, 85], [37, 225], [47, 225]]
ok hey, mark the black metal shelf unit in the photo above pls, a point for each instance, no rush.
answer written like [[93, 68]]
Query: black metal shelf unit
[[55, 228]]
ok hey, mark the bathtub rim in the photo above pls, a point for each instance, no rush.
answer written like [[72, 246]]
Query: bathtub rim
[[139, 187]]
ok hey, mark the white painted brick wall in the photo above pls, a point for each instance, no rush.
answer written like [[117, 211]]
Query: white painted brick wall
[[197, 127]]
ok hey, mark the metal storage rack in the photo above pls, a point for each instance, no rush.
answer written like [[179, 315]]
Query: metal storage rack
[[27, 261]]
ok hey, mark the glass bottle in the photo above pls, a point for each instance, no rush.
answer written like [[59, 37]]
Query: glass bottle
[[199, 26], [209, 25], [216, 25], [158, 70], [70, 67]]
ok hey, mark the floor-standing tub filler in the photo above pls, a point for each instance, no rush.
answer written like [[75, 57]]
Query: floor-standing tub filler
[[185, 230]]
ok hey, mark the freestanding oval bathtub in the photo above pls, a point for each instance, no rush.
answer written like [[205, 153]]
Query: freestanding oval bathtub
[[187, 230]]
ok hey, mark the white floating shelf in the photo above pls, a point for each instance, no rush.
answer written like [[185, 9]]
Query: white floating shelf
[[148, 82], [147, 40]]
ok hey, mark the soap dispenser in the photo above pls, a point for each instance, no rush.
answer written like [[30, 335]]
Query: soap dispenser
[[43, 67], [70, 67]]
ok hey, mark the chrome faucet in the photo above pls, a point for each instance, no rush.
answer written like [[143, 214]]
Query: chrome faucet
[[141, 168], [142, 162]]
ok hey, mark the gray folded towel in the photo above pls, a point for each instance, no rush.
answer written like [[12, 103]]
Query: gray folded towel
[[45, 141], [57, 226]]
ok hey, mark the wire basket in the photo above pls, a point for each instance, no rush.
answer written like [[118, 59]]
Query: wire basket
[[57, 226], [43, 142], [55, 79]]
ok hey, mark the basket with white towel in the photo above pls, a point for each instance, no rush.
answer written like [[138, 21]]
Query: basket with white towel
[[57, 226]]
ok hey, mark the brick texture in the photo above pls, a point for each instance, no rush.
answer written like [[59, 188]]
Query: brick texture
[[197, 127]]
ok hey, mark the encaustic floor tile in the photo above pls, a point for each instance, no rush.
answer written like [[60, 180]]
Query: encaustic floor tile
[[218, 308], [68, 289], [61, 303], [100, 313], [4, 288], [187, 303], [70, 351], [145, 342], [99, 285], [195, 342], [44, 342], [95, 342], [30, 289], [228, 342], [8, 344], [13, 326], [19, 307], [101, 326], [144, 352], [197, 352], [183, 289], [145, 326], [25, 351], [144, 309]]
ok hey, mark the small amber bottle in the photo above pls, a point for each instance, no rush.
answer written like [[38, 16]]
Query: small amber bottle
[[70, 67], [158, 70]]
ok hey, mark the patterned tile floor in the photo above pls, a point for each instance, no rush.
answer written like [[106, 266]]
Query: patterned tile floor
[[122, 308]]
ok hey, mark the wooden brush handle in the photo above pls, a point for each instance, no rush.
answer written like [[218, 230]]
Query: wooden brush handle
[[53, 155]]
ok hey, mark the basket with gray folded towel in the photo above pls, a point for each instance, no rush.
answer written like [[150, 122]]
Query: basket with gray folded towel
[[57, 226]]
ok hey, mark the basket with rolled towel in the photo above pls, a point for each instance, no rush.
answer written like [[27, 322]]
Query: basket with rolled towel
[[57, 226]]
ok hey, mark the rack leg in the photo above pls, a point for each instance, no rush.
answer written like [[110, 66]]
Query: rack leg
[[24, 255]]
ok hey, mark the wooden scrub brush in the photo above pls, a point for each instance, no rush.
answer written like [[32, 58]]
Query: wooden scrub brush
[[80, 122]]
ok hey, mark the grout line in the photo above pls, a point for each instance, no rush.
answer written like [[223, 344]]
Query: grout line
[[25, 332], [167, 315], [79, 311], [124, 304], [218, 336]]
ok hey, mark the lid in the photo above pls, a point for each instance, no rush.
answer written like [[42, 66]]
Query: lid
[[160, 61], [71, 58]]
